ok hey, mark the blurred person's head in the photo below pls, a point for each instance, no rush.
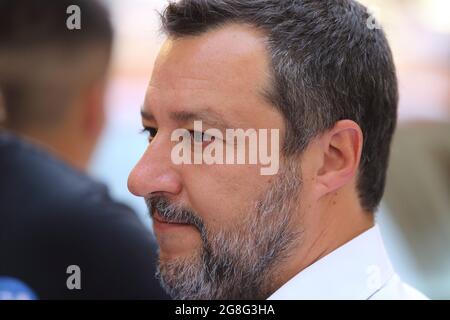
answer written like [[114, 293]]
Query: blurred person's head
[[53, 77], [313, 70]]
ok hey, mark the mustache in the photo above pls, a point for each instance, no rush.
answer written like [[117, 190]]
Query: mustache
[[173, 212]]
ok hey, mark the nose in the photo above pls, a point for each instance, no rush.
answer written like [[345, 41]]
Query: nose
[[155, 172]]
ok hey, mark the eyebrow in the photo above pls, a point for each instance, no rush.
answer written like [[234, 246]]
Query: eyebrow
[[147, 116], [207, 116]]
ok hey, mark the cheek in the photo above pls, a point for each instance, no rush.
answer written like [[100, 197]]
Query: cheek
[[222, 194]]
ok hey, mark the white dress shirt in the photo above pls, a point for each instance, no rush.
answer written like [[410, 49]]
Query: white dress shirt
[[359, 269]]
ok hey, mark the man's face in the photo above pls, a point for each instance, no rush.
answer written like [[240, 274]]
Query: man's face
[[225, 219]]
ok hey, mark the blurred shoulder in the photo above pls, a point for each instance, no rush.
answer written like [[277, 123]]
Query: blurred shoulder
[[37, 189]]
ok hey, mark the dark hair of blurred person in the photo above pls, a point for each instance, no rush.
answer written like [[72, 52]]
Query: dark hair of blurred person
[[52, 216]]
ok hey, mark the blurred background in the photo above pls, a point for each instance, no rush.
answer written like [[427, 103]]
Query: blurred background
[[415, 214]]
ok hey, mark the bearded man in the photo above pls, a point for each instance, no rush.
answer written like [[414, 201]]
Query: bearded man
[[316, 72]]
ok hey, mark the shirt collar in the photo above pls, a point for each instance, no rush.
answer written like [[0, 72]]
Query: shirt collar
[[356, 270]]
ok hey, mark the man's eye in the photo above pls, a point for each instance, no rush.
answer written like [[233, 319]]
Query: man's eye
[[150, 131], [200, 137], [196, 135]]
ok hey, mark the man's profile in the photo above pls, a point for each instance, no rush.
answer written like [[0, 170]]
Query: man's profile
[[313, 70]]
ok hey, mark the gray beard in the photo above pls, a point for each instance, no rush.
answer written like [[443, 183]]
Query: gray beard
[[239, 263]]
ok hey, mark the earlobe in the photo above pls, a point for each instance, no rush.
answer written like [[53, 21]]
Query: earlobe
[[341, 150]]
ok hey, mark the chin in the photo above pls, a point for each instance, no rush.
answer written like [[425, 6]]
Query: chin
[[172, 253]]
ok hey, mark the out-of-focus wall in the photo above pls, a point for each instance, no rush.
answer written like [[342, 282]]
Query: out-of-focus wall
[[415, 216]]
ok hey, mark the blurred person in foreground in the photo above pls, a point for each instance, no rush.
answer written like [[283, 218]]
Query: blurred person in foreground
[[315, 71], [61, 235]]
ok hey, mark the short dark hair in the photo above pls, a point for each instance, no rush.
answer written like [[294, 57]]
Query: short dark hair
[[42, 62], [327, 65]]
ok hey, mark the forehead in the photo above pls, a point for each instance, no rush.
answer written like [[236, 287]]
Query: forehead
[[229, 64]]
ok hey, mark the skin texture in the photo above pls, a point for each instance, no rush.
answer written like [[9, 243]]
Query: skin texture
[[224, 72]]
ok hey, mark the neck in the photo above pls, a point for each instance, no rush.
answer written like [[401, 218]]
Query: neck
[[333, 224]]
